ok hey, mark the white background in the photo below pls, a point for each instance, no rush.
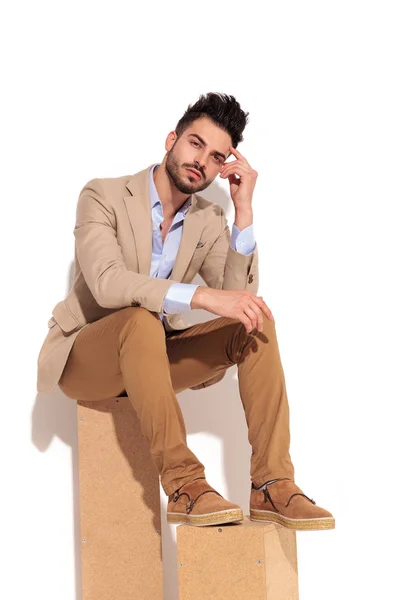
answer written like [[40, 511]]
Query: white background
[[91, 89]]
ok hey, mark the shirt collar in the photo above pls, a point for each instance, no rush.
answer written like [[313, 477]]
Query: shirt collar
[[154, 197]]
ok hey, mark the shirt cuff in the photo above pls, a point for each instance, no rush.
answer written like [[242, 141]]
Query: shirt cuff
[[243, 241], [178, 298]]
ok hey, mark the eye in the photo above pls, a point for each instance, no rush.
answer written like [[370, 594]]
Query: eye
[[218, 158], [196, 143]]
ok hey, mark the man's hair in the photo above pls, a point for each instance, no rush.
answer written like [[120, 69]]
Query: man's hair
[[222, 109]]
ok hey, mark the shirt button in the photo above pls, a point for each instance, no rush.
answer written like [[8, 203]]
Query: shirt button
[[154, 228]]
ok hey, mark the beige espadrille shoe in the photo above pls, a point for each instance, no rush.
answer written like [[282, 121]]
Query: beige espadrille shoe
[[197, 503], [282, 501]]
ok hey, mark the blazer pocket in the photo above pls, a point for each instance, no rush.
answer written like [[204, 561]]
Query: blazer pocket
[[64, 318], [199, 255]]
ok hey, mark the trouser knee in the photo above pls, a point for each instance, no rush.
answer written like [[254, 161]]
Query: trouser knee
[[244, 343]]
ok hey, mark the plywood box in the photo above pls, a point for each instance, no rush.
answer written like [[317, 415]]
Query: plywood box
[[237, 561], [119, 505]]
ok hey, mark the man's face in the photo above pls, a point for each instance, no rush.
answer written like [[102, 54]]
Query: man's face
[[203, 147]]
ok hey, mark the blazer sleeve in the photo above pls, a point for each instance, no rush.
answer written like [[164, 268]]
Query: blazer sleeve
[[100, 258], [226, 269]]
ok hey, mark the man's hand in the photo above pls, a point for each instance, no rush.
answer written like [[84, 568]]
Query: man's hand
[[241, 187], [236, 304]]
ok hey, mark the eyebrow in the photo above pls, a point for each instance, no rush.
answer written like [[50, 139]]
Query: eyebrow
[[204, 143]]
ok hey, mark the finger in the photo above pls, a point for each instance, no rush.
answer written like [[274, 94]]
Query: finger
[[252, 316], [246, 322], [259, 300], [259, 313], [227, 164], [236, 164], [236, 153], [239, 161], [236, 168]]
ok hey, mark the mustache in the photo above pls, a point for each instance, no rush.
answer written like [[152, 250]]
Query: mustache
[[195, 169]]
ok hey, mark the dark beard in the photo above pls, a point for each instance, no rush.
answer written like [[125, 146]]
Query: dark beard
[[172, 168]]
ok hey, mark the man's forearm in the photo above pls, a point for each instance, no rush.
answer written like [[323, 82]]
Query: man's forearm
[[243, 219], [199, 296]]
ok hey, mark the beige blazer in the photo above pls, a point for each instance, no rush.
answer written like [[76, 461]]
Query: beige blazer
[[113, 247]]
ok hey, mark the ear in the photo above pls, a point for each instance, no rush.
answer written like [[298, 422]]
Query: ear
[[170, 141]]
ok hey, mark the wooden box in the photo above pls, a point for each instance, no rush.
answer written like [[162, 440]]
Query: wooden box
[[119, 505], [237, 561]]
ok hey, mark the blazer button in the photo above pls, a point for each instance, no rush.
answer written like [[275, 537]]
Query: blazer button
[[250, 279]]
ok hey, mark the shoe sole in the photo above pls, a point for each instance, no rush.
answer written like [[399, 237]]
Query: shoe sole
[[300, 524], [214, 518]]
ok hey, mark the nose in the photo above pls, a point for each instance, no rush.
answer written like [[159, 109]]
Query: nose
[[200, 162]]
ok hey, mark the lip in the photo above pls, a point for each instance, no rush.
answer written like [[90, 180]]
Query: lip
[[195, 173]]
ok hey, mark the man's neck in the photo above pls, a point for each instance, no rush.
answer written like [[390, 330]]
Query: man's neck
[[171, 198]]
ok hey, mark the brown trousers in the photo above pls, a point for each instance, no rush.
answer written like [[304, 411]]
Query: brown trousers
[[130, 351]]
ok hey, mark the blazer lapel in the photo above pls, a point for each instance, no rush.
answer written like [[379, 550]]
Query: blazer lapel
[[138, 208], [193, 225]]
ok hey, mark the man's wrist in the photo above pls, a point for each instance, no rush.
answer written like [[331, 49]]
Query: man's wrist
[[199, 296], [243, 218]]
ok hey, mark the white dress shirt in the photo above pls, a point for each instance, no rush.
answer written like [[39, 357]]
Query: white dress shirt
[[179, 295]]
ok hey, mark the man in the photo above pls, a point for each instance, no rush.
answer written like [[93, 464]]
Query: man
[[140, 241]]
